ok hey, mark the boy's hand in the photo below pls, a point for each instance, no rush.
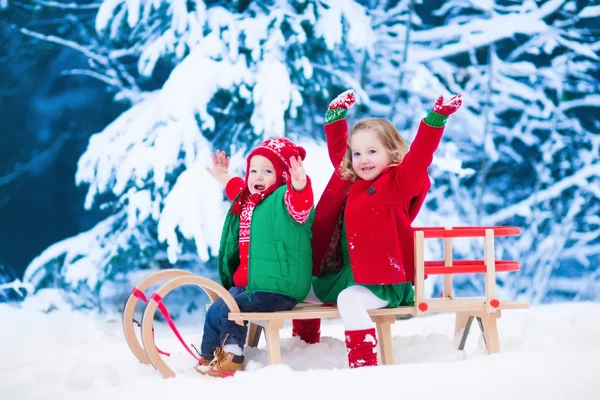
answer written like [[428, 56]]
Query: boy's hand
[[220, 169], [339, 106], [448, 108], [298, 174]]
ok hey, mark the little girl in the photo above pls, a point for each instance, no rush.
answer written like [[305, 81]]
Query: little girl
[[363, 247], [265, 256]]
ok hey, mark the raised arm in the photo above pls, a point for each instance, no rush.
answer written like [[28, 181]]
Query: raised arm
[[336, 126], [412, 172], [220, 170], [299, 198]]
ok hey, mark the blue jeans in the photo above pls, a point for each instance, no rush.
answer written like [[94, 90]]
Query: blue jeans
[[217, 327]]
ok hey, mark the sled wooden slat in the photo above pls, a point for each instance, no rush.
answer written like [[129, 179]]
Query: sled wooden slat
[[467, 231], [309, 311], [468, 267]]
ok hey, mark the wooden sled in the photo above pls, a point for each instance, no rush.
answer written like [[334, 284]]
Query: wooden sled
[[486, 309]]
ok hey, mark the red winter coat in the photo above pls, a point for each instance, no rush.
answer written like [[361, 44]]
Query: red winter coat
[[378, 214]]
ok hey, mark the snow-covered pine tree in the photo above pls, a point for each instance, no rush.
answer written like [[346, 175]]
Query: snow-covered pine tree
[[523, 150], [561, 247], [238, 72], [529, 72]]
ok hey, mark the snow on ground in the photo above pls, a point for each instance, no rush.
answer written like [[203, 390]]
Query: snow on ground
[[548, 352]]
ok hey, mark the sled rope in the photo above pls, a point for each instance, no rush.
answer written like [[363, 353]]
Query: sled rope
[[165, 313], [141, 296]]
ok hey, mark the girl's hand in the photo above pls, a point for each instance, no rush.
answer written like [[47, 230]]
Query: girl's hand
[[220, 169], [344, 100], [448, 108], [298, 174], [339, 106]]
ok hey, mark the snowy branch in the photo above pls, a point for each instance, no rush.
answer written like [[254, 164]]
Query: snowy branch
[[120, 78], [588, 101], [347, 81], [68, 43], [41, 158], [16, 286], [479, 32], [582, 252], [524, 207], [68, 6], [106, 79]]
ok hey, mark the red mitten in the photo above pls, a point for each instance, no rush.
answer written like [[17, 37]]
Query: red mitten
[[448, 108], [344, 100], [340, 106]]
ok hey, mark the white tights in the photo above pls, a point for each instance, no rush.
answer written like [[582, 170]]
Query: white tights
[[354, 303]]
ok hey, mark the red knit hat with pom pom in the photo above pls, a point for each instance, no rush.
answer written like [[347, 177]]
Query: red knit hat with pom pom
[[278, 151]]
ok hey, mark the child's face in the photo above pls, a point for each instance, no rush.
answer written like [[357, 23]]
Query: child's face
[[261, 174], [369, 156]]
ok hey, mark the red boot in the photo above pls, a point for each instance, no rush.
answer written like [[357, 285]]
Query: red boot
[[361, 347], [308, 330]]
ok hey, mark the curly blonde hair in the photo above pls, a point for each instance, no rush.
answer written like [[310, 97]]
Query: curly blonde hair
[[389, 136]]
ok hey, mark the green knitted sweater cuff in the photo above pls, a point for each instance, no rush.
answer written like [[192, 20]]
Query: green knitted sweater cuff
[[436, 120], [335, 115]]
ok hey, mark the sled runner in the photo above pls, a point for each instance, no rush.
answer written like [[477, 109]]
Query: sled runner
[[486, 309], [147, 352], [137, 294]]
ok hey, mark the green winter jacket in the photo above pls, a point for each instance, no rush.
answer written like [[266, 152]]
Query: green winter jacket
[[280, 253]]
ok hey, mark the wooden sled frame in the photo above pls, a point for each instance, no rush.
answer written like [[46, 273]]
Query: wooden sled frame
[[486, 309]]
